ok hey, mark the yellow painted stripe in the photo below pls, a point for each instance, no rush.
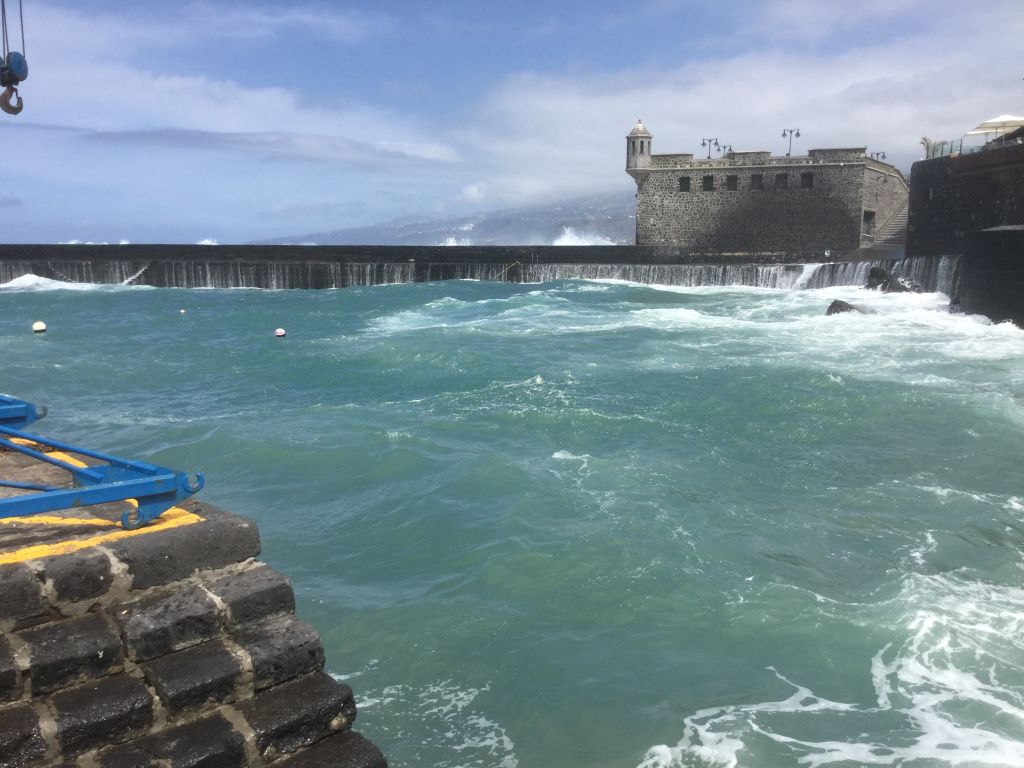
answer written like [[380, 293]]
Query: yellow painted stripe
[[175, 517], [99, 522]]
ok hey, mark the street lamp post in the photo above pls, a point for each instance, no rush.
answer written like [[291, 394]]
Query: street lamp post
[[791, 132], [876, 155], [709, 143], [725, 148]]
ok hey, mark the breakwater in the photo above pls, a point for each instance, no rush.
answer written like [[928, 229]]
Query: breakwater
[[282, 267]]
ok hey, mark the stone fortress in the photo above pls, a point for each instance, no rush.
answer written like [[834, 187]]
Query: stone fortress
[[752, 202]]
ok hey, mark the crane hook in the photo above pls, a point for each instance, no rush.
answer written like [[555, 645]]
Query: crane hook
[[5, 101]]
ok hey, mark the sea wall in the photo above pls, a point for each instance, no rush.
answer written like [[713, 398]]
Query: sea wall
[[992, 274], [169, 646], [337, 267], [941, 273]]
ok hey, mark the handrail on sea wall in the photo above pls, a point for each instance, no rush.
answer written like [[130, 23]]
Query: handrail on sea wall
[[154, 489]]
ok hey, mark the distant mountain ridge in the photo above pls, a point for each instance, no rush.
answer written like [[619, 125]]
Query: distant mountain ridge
[[595, 220]]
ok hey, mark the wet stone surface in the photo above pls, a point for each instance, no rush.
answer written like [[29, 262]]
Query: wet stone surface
[[202, 673], [65, 651], [20, 739], [103, 712]]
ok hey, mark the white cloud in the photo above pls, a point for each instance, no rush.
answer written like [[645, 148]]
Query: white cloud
[[84, 74], [473, 192], [225, 20], [542, 135], [278, 145], [812, 20]]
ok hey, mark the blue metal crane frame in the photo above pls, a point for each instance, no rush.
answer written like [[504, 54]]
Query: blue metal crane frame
[[155, 489]]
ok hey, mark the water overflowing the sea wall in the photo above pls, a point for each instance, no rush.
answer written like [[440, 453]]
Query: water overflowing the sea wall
[[297, 267]]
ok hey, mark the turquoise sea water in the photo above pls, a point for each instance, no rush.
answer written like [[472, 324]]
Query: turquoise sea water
[[594, 523]]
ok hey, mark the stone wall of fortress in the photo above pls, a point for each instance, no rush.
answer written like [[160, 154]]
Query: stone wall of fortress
[[811, 203]]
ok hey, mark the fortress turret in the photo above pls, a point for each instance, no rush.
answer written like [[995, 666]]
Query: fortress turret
[[638, 151]]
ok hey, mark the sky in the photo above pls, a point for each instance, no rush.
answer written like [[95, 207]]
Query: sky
[[181, 122]]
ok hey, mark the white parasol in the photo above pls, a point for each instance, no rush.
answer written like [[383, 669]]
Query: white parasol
[[1001, 124]]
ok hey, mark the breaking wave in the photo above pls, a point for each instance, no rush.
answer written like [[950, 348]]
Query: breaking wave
[[569, 236]]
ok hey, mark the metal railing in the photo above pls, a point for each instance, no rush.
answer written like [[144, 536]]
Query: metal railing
[[154, 489]]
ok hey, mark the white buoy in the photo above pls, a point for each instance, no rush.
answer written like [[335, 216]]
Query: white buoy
[[38, 327], [279, 333], [181, 311]]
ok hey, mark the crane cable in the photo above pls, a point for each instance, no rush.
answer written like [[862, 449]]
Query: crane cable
[[21, 22], [13, 67]]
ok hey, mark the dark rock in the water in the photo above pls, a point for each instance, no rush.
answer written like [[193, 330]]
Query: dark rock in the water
[[837, 307], [954, 305], [901, 285], [876, 277], [881, 280]]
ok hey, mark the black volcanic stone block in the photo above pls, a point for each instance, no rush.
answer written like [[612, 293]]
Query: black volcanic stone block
[[78, 576], [21, 742], [281, 648], [21, 593], [160, 558], [195, 675], [299, 713], [64, 651], [347, 749], [10, 681], [132, 755], [160, 624], [209, 742], [254, 593], [103, 712]]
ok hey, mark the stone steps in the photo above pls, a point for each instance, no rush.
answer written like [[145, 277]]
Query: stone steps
[[174, 649], [895, 230]]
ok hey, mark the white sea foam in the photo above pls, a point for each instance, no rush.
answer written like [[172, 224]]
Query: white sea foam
[[946, 493], [566, 456], [36, 283], [448, 723], [371, 665], [918, 554], [953, 684], [570, 237]]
